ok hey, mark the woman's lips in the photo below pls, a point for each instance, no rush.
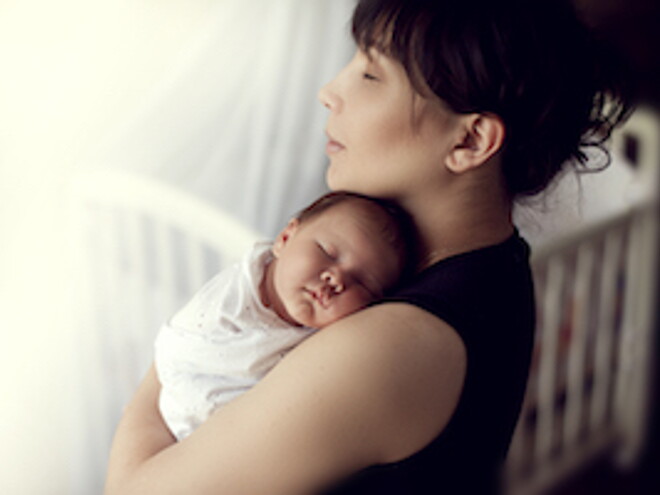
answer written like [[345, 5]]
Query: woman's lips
[[333, 146]]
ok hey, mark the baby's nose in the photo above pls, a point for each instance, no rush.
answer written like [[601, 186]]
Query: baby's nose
[[333, 280]]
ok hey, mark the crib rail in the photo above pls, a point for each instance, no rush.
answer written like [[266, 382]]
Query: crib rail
[[589, 387]]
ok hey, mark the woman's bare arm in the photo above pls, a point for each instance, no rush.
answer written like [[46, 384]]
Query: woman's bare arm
[[372, 388], [141, 434]]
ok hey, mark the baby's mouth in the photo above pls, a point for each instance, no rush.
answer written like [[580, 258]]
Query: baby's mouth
[[321, 297]]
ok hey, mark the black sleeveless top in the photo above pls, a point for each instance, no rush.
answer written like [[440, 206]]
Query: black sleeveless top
[[486, 295]]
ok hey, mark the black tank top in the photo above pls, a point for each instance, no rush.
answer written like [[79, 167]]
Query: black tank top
[[487, 296]]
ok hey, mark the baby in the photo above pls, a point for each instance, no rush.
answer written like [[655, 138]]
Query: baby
[[338, 255]]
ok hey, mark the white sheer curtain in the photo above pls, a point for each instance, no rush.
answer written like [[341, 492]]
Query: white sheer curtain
[[238, 121]]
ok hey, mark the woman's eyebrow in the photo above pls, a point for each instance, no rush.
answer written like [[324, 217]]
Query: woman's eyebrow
[[374, 55]]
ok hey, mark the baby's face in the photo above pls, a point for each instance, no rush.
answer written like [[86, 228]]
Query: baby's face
[[331, 265]]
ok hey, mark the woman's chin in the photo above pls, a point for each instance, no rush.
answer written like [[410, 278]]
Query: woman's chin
[[335, 181], [331, 178]]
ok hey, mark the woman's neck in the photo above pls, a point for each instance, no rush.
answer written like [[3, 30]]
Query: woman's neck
[[450, 224]]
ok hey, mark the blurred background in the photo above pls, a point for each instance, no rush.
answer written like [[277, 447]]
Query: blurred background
[[218, 99]]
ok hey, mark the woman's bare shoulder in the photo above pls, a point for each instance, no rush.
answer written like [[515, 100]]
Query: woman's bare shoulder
[[400, 364], [400, 328]]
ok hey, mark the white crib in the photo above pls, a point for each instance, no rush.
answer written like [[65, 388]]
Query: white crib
[[590, 387], [144, 247]]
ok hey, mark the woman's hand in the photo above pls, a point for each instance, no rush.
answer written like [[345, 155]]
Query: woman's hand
[[372, 388]]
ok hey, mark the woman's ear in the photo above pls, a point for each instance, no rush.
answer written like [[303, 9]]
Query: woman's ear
[[482, 137], [283, 237]]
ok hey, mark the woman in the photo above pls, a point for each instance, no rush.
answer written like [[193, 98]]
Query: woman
[[452, 109]]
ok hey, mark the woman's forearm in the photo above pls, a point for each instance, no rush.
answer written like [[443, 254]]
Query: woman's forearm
[[141, 435]]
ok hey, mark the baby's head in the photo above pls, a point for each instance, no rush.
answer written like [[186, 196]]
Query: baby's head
[[339, 254]]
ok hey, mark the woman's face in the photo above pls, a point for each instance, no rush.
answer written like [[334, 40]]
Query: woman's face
[[384, 139]]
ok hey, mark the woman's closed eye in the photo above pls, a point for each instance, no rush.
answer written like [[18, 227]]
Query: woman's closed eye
[[369, 77]]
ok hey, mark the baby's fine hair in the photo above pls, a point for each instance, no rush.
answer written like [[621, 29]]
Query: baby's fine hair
[[396, 226], [530, 62]]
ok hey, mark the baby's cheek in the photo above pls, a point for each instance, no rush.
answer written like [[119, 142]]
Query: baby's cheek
[[354, 302]]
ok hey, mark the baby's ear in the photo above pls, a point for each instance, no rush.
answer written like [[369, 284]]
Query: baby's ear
[[285, 234]]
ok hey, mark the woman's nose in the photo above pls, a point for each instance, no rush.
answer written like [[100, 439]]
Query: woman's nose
[[328, 97], [333, 280]]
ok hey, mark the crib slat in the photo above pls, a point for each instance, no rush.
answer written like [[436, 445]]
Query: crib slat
[[552, 310], [631, 392], [138, 290], [626, 339], [165, 269], [194, 262], [644, 341], [623, 399], [119, 285], [603, 375], [106, 297], [578, 341], [96, 410]]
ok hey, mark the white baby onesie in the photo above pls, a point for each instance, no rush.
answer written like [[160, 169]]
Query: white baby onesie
[[220, 344]]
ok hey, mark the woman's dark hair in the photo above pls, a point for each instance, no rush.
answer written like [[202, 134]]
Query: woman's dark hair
[[395, 224], [530, 62]]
